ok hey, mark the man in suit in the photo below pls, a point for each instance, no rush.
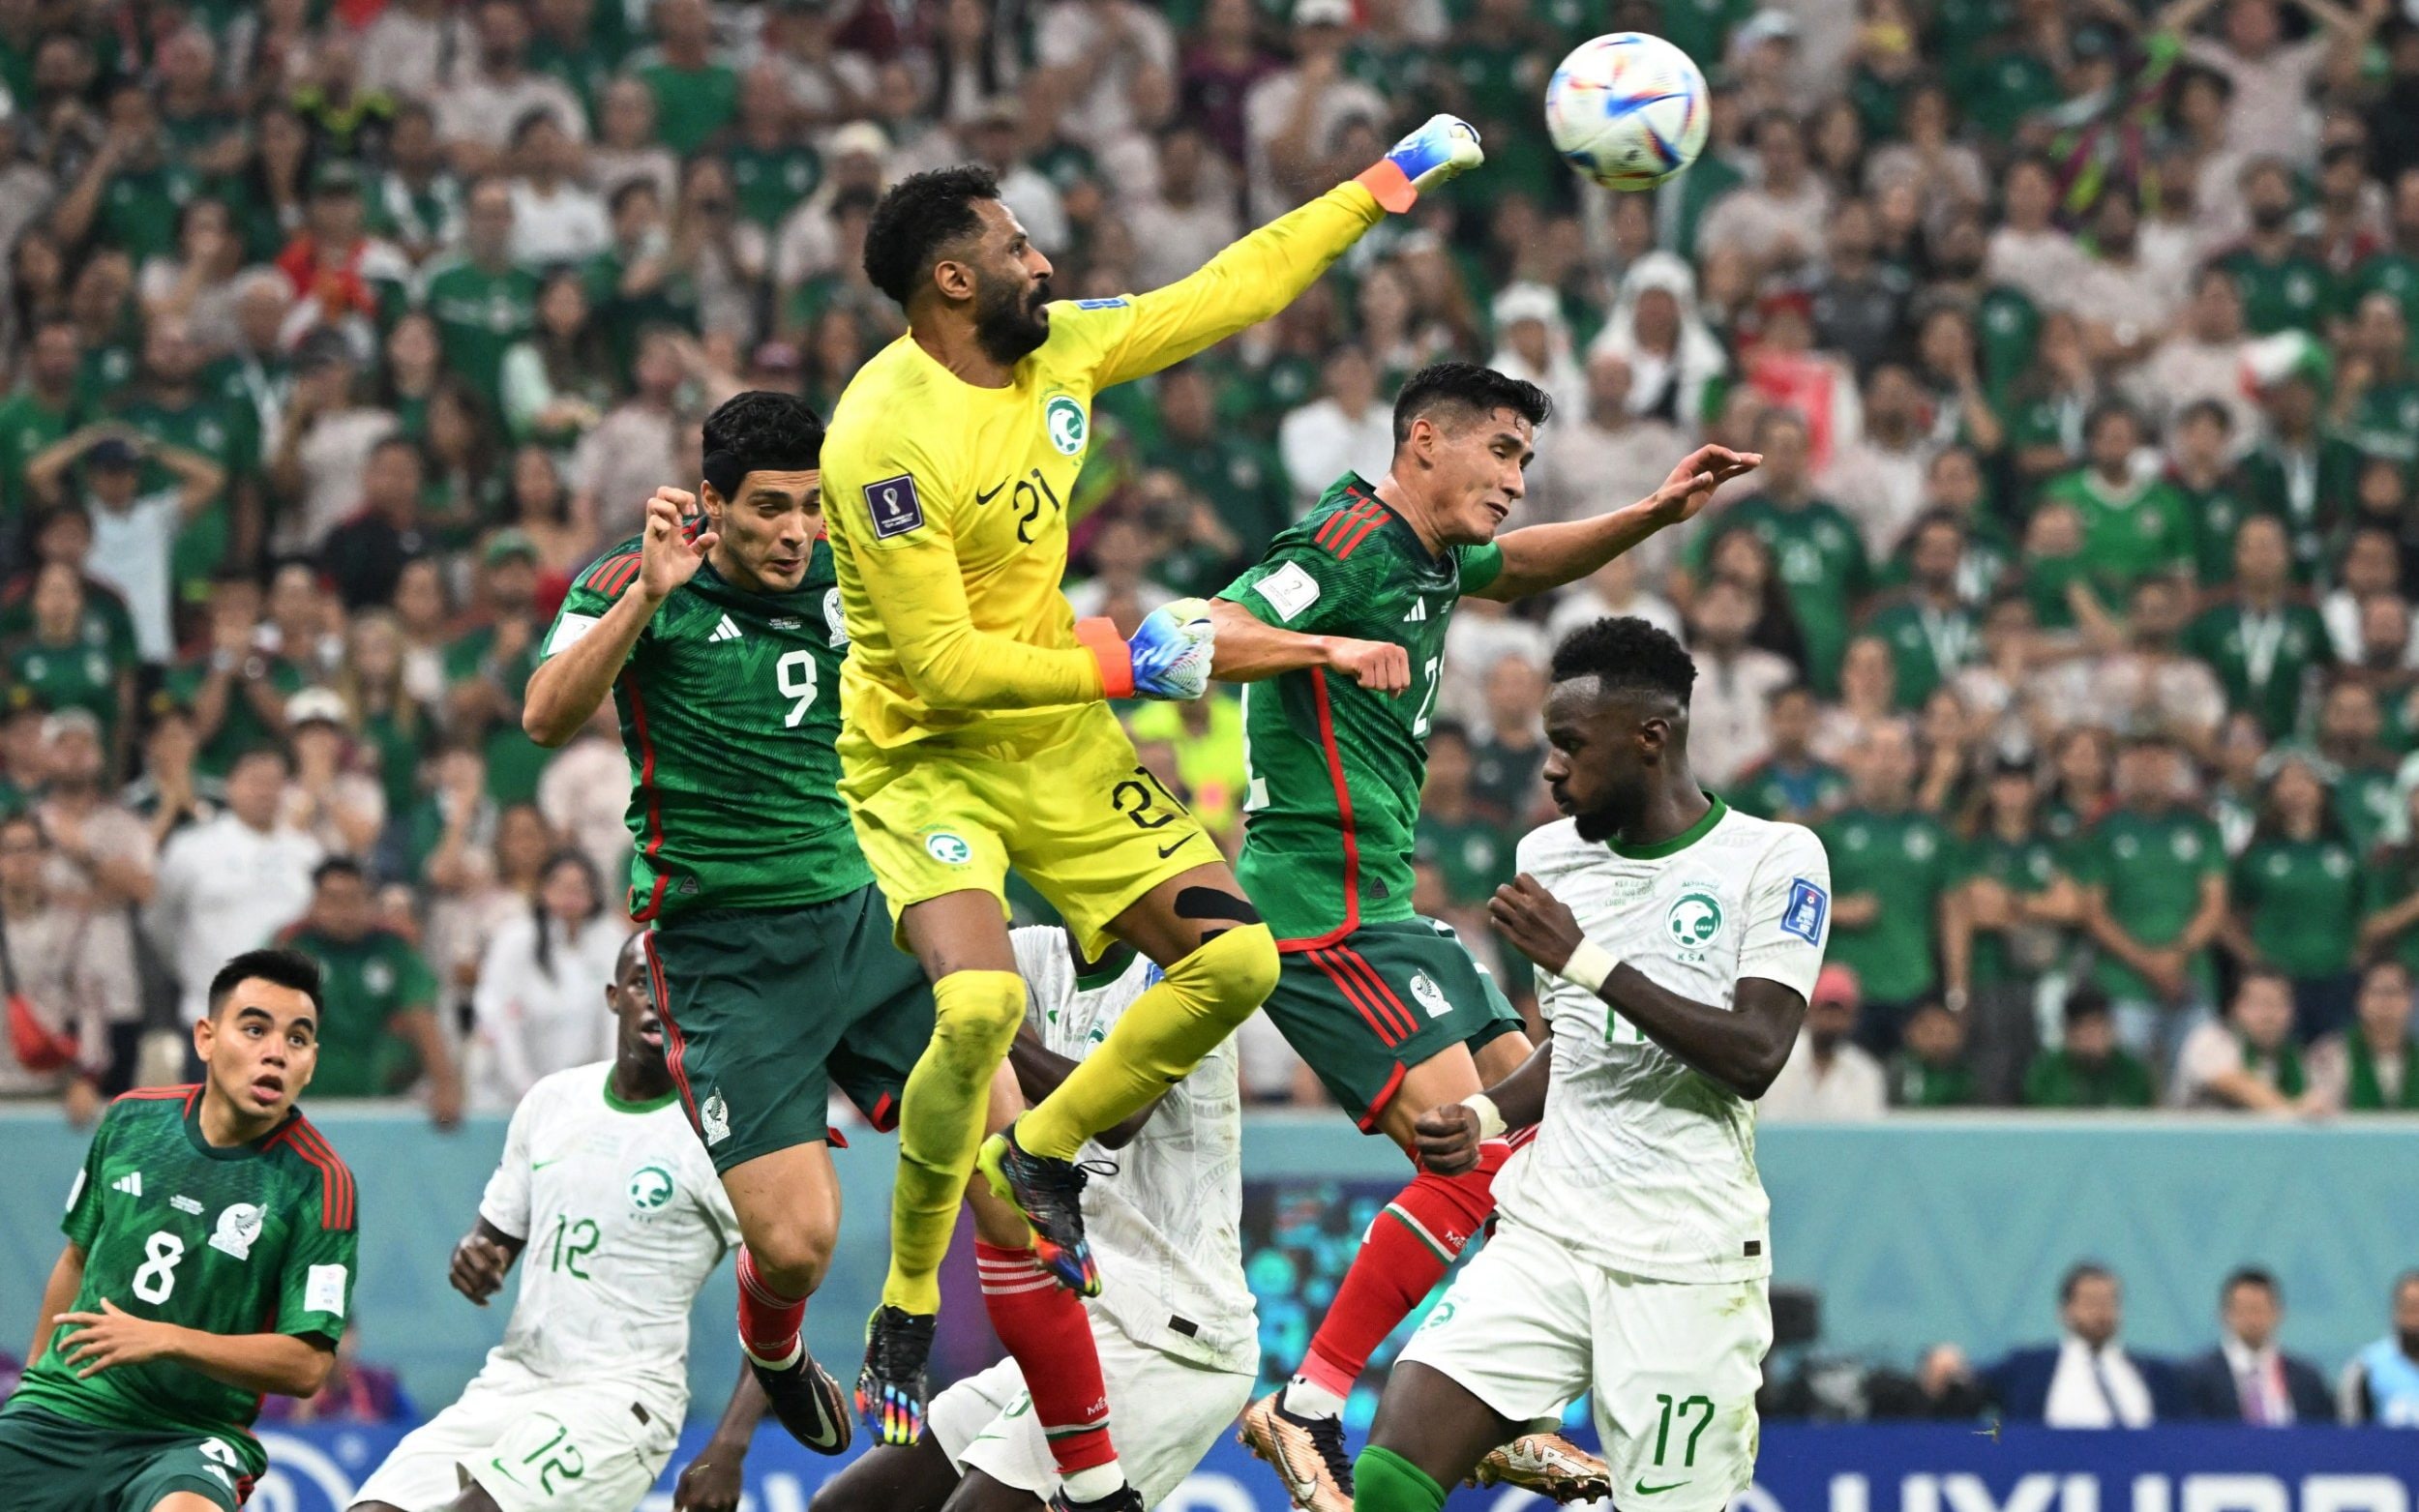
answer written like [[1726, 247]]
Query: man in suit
[[2086, 1379], [2246, 1379]]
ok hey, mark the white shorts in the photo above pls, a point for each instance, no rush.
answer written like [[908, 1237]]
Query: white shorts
[[563, 1448], [1528, 1329], [1164, 1414]]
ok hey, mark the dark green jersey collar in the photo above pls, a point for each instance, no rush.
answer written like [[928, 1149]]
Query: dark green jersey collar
[[192, 1120], [1661, 849]]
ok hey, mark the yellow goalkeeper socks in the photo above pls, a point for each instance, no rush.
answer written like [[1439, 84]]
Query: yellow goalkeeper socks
[[976, 1015], [1157, 1043]]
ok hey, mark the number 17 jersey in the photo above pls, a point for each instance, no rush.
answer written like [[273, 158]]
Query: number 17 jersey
[[730, 709], [1335, 769]]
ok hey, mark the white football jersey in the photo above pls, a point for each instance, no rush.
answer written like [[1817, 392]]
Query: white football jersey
[[624, 1220], [1166, 1224], [1643, 1165]]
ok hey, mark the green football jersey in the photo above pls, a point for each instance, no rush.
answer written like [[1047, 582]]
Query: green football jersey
[[1333, 812], [730, 716], [248, 1240]]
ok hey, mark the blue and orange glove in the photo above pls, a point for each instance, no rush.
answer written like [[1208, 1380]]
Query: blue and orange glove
[[1429, 156], [1168, 658]]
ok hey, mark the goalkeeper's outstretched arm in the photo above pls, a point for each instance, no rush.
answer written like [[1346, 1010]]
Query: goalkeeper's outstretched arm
[[1260, 274]]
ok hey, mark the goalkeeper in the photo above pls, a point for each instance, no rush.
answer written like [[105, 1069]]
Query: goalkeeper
[[977, 736]]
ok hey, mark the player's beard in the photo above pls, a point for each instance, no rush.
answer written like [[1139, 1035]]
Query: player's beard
[[1615, 817], [1008, 318]]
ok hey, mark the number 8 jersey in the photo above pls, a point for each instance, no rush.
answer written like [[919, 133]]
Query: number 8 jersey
[[730, 709], [252, 1238], [1335, 769]]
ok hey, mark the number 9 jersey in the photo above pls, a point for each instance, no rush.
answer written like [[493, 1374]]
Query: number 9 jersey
[[730, 709]]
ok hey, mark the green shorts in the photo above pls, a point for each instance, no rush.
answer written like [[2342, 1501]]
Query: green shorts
[[765, 1008], [1383, 998], [53, 1463]]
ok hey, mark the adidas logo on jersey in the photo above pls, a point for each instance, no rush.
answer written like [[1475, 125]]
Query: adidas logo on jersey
[[131, 1183], [1419, 611], [726, 631]]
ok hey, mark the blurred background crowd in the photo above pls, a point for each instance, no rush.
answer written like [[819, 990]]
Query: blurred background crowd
[[2072, 603]]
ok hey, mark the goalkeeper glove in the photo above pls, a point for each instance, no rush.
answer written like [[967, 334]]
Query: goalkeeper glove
[[1168, 658], [1429, 156]]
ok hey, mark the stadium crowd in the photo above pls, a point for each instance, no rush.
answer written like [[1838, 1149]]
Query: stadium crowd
[[2072, 603]]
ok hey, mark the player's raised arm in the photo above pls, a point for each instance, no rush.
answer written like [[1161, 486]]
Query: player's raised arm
[[1260, 274], [604, 616], [1538, 558]]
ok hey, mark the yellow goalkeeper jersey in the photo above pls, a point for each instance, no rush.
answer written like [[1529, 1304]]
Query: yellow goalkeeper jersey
[[946, 503]]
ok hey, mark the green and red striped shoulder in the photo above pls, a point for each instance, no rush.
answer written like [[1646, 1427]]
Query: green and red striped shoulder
[[301, 1139], [611, 575], [1348, 516]]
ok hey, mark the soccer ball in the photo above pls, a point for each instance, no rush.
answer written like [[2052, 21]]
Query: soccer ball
[[1628, 110]]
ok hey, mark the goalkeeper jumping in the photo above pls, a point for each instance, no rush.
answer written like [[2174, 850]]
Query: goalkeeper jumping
[[979, 735]]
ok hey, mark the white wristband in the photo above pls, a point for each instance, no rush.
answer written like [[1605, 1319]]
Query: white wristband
[[1589, 965], [1491, 1117]]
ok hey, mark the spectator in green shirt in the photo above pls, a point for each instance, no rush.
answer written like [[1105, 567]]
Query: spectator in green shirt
[[2153, 874], [2283, 287], [2134, 524], [1932, 630], [379, 1033], [483, 302], [42, 411], [1472, 852], [1791, 782], [2296, 891], [1816, 552], [65, 669], [1929, 1071], [696, 94], [488, 667], [2088, 1069], [1889, 875], [2010, 916], [2299, 472], [2372, 1066], [2263, 643]]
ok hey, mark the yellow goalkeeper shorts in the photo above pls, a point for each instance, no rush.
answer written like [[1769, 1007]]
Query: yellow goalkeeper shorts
[[1067, 803]]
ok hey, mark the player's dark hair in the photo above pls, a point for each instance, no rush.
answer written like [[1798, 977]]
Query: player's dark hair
[[2251, 1276], [1468, 390], [759, 430], [1627, 653], [2078, 1273], [283, 967], [2208, 410], [918, 216], [337, 866]]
